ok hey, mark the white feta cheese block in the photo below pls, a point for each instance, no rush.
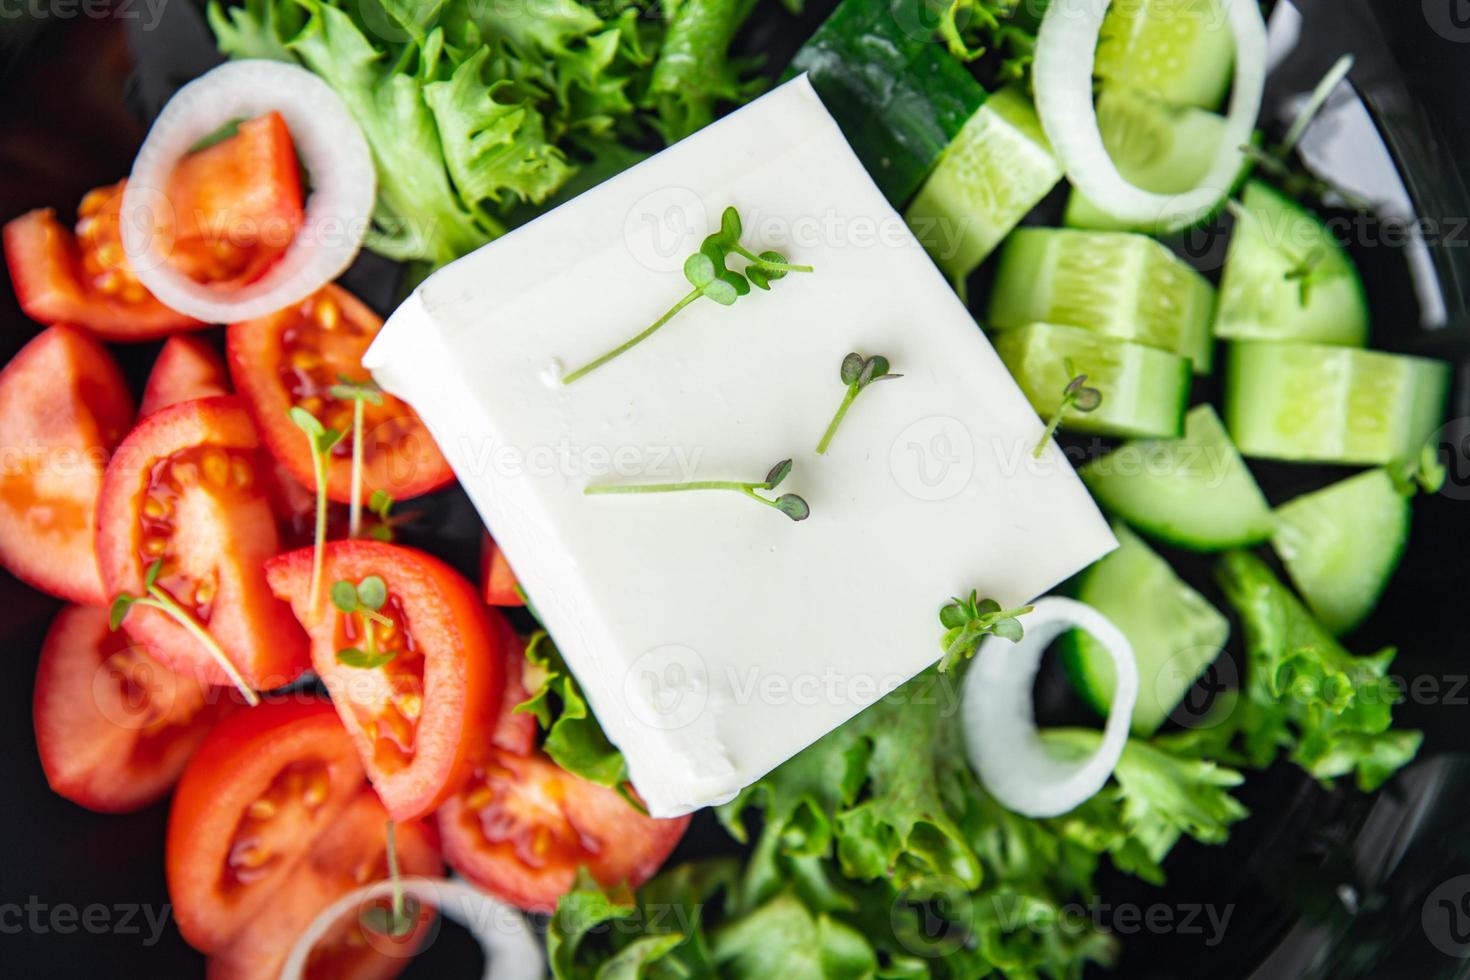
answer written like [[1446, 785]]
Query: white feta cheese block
[[714, 637]]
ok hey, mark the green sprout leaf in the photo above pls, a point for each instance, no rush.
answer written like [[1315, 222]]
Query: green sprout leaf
[[700, 270], [778, 473], [151, 575], [968, 621], [857, 372], [349, 390], [344, 596], [364, 659], [730, 229], [793, 507], [721, 292], [1076, 396], [852, 368], [306, 422], [119, 611], [372, 592]]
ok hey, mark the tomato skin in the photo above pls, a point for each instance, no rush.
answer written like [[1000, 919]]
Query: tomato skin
[[234, 767], [45, 269], [463, 645], [232, 536], [400, 456], [187, 368], [515, 732], [64, 406], [496, 578], [95, 731], [329, 870]]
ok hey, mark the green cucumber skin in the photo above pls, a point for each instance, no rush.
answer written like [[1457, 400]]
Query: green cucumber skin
[[1330, 404], [1174, 631], [1273, 234], [898, 97], [1117, 284], [1196, 493], [1340, 570], [993, 173], [1145, 390]]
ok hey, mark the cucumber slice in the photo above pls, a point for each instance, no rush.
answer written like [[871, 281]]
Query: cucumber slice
[[1175, 633], [1157, 147], [1341, 544], [1193, 493], [1112, 283], [997, 169], [1299, 402], [1144, 389], [1179, 50], [898, 97], [1287, 278]]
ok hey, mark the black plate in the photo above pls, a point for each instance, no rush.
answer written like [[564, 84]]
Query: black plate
[[1315, 883]]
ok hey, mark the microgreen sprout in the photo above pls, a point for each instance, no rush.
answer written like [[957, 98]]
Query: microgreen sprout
[[968, 621], [380, 504], [397, 920], [321, 440], [1426, 474], [857, 373], [157, 597], [1076, 396], [1304, 273], [360, 393], [708, 274], [789, 504], [363, 599]]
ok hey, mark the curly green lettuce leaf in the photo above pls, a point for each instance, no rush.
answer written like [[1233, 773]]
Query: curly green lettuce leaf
[[1330, 711], [574, 738], [255, 28], [694, 72]]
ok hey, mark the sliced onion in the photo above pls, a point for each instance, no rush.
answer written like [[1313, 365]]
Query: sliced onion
[[1066, 49], [512, 951], [329, 144], [1000, 719]]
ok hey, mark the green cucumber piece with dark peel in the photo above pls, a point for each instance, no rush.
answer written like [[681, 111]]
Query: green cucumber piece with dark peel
[[1155, 146], [1181, 51], [1194, 493], [1144, 389], [899, 97], [1341, 544], [996, 170], [1117, 284], [1319, 403], [1174, 631], [1287, 278]]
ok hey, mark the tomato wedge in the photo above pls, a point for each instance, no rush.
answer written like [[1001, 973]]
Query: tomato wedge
[[184, 488], [496, 578], [351, 852], [293, 358], [522, 826], [237, 205], [515, 732], [114, 727], [187, 368], [85, 278], [63, 408], [262, 788], [418, 716]]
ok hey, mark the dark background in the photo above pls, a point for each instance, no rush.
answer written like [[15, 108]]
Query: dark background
[[1321, 883]]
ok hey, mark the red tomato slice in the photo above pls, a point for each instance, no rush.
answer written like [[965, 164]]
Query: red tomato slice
[[237, 205], [293, 358], [418, 720], [262, 788], [187, 368], [114, 726], [184, 488], [515, 732], [522, 826], [496, 578], [85, 278], [350, 853], [63, 407]]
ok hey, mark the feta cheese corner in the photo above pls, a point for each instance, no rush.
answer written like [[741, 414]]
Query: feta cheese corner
[[714, 637]]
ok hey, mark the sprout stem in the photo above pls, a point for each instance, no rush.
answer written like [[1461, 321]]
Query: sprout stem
[[628, 345]]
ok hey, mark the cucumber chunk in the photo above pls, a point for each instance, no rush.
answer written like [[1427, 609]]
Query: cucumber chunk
[[1174, 631], [1155, 146], [898, 97], [1113, 283], [1300, 402], [997, 169], [1287, 278], [1194, 493], [1144, 389], [1179, 50], [1341, 544]]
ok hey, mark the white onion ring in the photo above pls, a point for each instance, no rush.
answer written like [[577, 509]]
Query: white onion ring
[[1066, 50], [1000, 720], [512, 951], [328, 143]]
